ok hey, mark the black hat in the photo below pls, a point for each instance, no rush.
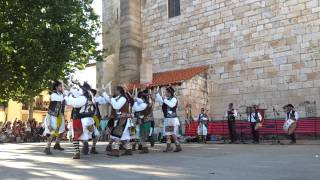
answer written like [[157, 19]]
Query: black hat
[[145, 91], [56, 84], [94, 91], [290, 105], [86, 86], [170, 90], [121, 90]]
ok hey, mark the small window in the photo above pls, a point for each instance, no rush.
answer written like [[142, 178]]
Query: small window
[[174, 8]]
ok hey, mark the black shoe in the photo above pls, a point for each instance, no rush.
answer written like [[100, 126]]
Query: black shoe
[[128, 152], [168, 149], [151, 140], [47, 151], [76, 156], [178, 148], [58, 147], [144, 150], [122, 147], [293, 142], [134, 147], [109, 148], [93, 151]]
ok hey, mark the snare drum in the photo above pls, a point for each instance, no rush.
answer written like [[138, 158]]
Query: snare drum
[[258, 126], [289, 126]]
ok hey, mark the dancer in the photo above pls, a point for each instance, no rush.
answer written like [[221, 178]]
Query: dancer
[[54, 121], [171, 122]]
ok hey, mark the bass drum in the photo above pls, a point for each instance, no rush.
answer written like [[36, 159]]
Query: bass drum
[[289, 126]]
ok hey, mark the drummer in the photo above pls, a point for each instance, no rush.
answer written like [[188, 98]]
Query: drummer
[[254, 117], [293, 115]]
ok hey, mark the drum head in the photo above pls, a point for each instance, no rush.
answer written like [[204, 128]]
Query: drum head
[[258, 126]]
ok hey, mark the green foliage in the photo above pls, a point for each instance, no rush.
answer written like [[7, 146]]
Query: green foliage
[[43, 40]]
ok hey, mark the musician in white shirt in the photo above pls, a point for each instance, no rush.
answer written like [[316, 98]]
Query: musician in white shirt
[[254, 117], [231, 115], [203, 126], [293, 115]]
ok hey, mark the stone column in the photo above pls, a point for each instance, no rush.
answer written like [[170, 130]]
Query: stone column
[[131, 40]]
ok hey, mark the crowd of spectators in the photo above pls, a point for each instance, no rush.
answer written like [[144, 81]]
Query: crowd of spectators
[[21, 131]]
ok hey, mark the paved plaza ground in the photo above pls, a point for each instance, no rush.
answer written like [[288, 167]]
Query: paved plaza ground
[[196, 161]]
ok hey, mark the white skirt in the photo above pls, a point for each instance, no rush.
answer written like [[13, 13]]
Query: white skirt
[[86, 134], [126, 133], [171, 122], [53, 123], [202, 130]]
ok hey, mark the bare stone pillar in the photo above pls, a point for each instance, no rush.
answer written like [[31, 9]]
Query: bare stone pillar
[[131, 40]]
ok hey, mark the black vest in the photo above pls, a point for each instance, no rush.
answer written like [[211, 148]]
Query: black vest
[[255, 116], [292, 114], [231, 115], [166, 109], [89, 109], [56, 108]]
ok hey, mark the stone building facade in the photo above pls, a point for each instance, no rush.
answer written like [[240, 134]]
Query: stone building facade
[[264, 52]]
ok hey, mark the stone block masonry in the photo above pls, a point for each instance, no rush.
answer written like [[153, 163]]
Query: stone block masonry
[[262, 52]]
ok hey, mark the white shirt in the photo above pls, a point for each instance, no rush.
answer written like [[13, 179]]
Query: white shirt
[[117, 102], [296, 115], [235, 113], [76, 102], [252, 119], [139, 105], [101, 100], [169, 102], [56, 97]]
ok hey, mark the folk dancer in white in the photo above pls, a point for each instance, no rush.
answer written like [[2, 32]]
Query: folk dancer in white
[[54, 122], [122, 121], [83, 126], [171, 122]]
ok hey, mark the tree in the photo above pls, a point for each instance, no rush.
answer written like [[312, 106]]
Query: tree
[[41, 41]]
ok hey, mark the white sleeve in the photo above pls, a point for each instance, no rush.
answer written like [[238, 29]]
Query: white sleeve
[[76, 102], [235, 113], [137, 107], [259, 116], [101, 100], [171, 103], [107, 97], [76, 92], [56, 97], [139, 100], [159, 98], [296, 114], [117, 104]]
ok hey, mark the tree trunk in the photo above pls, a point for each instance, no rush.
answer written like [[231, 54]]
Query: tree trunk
[[31, 103]]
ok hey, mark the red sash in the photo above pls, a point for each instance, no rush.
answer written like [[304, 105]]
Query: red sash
[[77, 129]]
